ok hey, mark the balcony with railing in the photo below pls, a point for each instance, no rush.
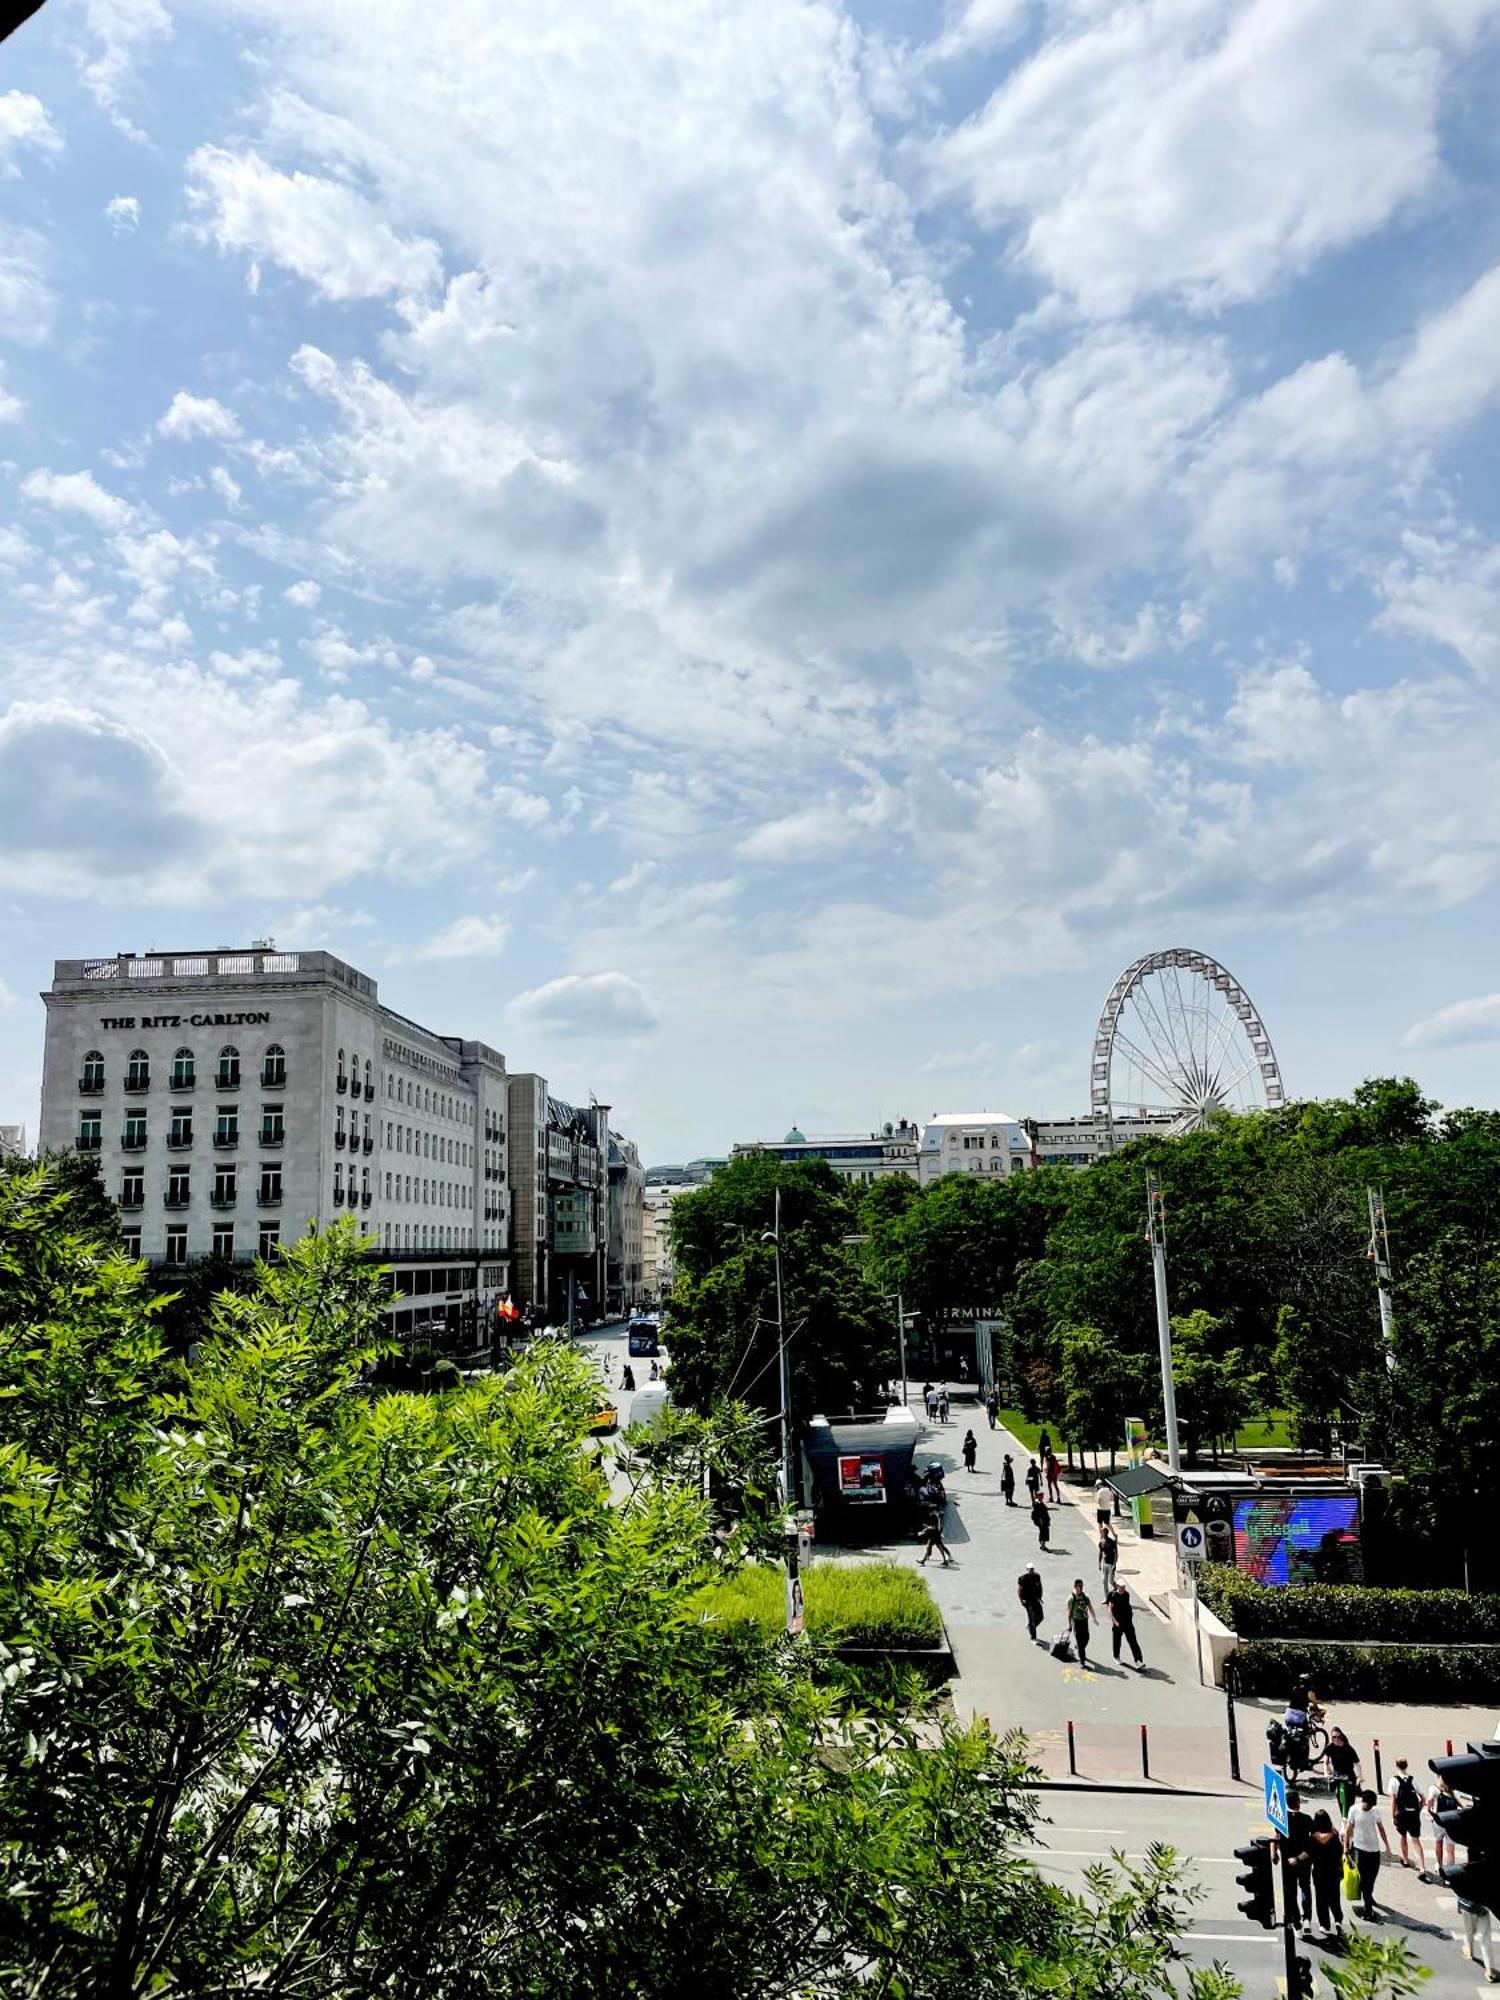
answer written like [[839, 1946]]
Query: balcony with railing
[[226, 1136], [270, 1195], [366, 1197], [90, 1086], [184, 1079], [342, 1084], [273, 1076], [223, 1198], [180, 1138], [228, 1077], [137, 1080], [369, 1142], [132, 1197], [133, 1142], [272, 1135], [177, 1198], [369, 1093], [88, 1142], [338, 1139]]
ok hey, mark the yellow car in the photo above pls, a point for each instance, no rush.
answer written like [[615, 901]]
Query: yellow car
[[605, 1419]]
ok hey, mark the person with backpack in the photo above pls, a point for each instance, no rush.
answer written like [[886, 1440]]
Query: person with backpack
[[1008, 1481], [1029, 1590], [1041, 1520], [1406, 1813], [970, 1450], [1441, 1799], [992, 1408], [1080, 1612]]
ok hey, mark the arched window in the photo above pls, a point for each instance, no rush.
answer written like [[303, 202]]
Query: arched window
[[343, 1076], [273, 1067], [92, 1079], [138, 1071], [369, 1078], [229, 1069], [182, 1070]]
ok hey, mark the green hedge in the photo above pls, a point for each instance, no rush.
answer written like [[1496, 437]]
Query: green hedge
[[846, 1604], [1369, 1673], [1348, 1611]]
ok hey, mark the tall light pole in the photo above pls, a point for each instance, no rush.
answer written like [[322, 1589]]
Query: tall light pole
[[788, 1465], [1156, 1236], [901, 1341], [1379, 1254]]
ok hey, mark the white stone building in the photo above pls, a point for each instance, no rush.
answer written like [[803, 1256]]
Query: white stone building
[[972, 1142], [234, 1098], [1078, 1142], [854, 1156]]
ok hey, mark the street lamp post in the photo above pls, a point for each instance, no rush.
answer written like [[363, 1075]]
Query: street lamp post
[[1156, 1234]]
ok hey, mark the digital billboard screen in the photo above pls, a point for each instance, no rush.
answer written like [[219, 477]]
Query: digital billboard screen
[[1296, 1538]]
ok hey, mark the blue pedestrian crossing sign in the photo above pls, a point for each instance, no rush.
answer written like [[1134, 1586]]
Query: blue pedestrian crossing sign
[[1276, 1811]]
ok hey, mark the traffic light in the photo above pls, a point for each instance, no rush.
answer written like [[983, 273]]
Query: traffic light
[[1302, 1979], [1476, 1826], [1260, 1905]]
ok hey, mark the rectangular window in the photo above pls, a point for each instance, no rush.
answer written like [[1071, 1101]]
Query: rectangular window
[[181, 1133], [270, 1185], [130, 1242], [177, 1251], [178, 1191], [225, 1187], [132, 1190], [270, 1237], [90, 1131], [133, 1139], [227, 1126], [224, 1241], [272, 1126]]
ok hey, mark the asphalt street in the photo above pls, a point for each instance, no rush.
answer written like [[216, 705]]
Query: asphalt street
[[1085, 1828]]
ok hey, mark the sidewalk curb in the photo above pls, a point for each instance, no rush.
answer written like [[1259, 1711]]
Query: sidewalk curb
[[1122, 1785]]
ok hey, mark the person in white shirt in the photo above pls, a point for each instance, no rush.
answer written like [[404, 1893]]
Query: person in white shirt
[[1104, 1503], [1364, 1837]]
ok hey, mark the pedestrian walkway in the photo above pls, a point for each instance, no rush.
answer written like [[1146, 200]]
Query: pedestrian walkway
[[1015, 1683]]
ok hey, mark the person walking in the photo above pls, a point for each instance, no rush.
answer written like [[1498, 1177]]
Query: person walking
[[1441, 1799], [1109, 1555], [970, 1450], [627, 1378], [943, 1404], [1029, 1590], [992, 1408], [1080, 1611], [1476, 1922], [929, 1397], [1406, 1813], [1122, 1623], [1326, 1857], [1054, 1478], [1296, 1849], [1104, 1503], [1041, 1520], [1034, 1481], [1342, 1760], [1044, 1446], [931, 1532], [1364, 1837], [1008, 1481]]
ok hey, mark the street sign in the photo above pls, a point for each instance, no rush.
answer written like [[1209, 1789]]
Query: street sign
[[1275, 1788], [1191, 1541]]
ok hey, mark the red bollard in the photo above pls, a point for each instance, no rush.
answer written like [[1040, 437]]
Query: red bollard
[[1448, 1747], [1379, 1773], [1145, 1754], [1072, 1753]]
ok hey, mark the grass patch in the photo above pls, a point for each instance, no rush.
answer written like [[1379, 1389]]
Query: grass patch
[[1263, 1434], [1022, 1428], [846, 1604], [1268, 1433]]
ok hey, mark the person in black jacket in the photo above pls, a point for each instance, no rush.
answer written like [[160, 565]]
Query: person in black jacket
[[1029, 1590]]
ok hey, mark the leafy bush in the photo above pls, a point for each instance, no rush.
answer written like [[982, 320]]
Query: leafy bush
[[1348, 1611], [847, 1604], [1369, 1673]]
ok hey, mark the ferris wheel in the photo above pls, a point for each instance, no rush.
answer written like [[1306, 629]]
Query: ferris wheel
[[1178, 1040]]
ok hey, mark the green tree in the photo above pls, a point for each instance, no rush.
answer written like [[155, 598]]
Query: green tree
[[840, 1334], [1100, 1388], [305, 1691], [1215, 1390]]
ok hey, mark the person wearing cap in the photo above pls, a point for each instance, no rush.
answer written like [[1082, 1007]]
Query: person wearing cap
[[1029, 1590]]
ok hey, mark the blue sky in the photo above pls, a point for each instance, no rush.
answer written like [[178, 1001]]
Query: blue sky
[[754, 555]]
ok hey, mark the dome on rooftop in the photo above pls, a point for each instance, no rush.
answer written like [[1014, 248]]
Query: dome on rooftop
[[795, 1138]]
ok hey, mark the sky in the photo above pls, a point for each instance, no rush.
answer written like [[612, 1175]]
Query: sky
[[754, 553]]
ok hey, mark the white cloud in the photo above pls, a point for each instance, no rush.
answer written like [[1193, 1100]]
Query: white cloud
[[24, 121], [1464, 1021], [323, 231], [315, 925], [466, 937], [1453, 369], [10, 406], [225, 485], [27, 302], [1210, 148], [589, 1003], [120, 34], [304, 594], [1447, 590], [123, 213], [190, 416], [77, 493]]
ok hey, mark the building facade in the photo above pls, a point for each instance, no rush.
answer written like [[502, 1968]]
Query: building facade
[[12, 1142], [973, 1142], [1078, 1142], [626, 1207], [235, 1099], [558, 1154], [860, 1157], [658, 1269]]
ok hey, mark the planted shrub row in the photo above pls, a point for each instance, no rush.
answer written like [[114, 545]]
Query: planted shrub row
[[1369, 1673], [847, 1604], [1348, 1611]]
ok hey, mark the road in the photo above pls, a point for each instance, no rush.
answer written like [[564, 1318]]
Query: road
[[1085, 1828]]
